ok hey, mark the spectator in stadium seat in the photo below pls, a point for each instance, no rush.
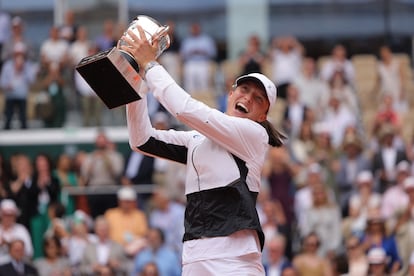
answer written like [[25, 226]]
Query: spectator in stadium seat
[[17, 265], [91, 106], [53, 262], [54, 49], [197, 50], [286, 54], [276, 260], [128, 225], [324, 219], [386, 113], [386, 157], [363, 202], [53, 110], [394, 198], [279, 173], [274, 222], [80, 46], [252, 58], [76, 239], [168, 215], [357, 260], [19, 185], [376, 236], [313, 91], [391, 78], [295, 112], [314, 176], [167, 261], [324, 151], [67, 177], [17, 37], [10, 230], [301, 147], [344, 91], [69, 28], [102, 167], [105, 257], [338, 117], [308, 262], [338, 61], [350, 162], [44, 190], [17, 76]]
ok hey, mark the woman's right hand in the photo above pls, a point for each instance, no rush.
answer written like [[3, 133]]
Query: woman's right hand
[[139, 47]]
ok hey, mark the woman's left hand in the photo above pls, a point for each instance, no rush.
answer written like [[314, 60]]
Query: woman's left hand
[[140, 48]]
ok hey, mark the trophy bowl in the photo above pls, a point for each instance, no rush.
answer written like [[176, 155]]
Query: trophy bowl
[[153, 31], [114, 73]]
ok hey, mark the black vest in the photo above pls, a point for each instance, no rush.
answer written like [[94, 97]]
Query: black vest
[[222, 211]]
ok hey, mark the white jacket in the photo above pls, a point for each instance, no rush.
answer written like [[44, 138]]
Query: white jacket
[[207, 151]]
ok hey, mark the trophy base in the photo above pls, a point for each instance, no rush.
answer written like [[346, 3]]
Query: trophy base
[[111, 76]]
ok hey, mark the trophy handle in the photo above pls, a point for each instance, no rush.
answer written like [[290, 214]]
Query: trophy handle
[[164, 41]]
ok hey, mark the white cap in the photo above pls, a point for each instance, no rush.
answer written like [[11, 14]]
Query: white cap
[[377, 255], [408, 183], [403, 166], [9, 206], [364, 177], [127, 193], [19, 47], [268, 85]]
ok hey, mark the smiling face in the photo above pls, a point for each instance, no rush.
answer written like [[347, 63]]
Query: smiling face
[[248, 100]]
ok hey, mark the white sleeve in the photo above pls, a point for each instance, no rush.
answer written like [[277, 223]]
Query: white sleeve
[[242, 137], [138, 122], [140, 129]]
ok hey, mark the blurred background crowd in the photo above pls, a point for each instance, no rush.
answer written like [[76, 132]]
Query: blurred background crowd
[[337, 199]]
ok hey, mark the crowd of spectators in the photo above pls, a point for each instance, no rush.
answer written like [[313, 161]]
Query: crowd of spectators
[[337, 198]]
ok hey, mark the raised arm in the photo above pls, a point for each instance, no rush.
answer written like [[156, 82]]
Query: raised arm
[[243, 137]]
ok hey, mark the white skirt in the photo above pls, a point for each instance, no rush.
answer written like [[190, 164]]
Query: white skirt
[[246, 265]]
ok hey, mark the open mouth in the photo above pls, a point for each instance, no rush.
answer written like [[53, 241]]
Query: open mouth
[[242, 108]]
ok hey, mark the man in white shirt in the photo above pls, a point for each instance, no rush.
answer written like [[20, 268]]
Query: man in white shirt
[[10, 230], [197, 51], [338, 117], [54, 49], [313, 92], [276, 260], [338, 62], [105, 257]]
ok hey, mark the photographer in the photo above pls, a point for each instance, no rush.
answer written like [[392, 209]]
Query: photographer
[[102, 167]]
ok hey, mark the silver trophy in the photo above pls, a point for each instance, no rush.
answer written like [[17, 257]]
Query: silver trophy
[[113, 74], [153, 31]]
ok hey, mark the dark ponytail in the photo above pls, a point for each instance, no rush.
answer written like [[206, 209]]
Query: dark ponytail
[[276, 138]]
